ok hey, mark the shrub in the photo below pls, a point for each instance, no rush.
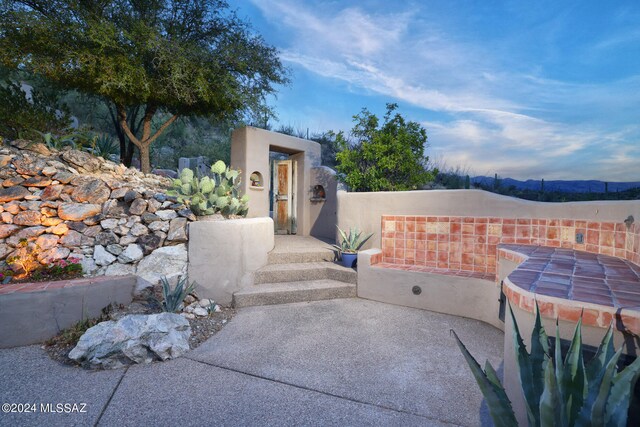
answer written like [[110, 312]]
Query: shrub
[[173, 298]]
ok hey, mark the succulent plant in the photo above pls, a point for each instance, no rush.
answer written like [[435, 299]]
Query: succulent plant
[[208, 195], [557, 392], [351, 242], [172, 299]]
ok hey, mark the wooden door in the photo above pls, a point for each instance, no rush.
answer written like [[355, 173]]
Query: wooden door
[[283, 216]]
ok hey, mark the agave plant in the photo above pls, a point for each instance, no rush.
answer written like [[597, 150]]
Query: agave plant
[[351, 242], [103, 145], [560, 393], [173, 298]]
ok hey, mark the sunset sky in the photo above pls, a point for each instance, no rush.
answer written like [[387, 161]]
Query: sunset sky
[[545, 89]]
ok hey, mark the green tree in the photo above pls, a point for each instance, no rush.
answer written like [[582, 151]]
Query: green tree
[[175, 57], [25, 112], [389, 157]]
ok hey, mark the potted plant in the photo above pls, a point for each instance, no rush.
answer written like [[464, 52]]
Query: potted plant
[[349, 246]]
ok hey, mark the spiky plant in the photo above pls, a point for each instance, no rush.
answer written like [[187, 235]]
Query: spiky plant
[[173, 298], [352, 242], [560, 393]]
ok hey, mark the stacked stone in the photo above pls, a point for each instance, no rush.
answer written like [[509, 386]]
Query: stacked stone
[[72, 204]]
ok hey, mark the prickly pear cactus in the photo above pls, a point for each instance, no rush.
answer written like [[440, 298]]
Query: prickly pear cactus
[[218, 194]]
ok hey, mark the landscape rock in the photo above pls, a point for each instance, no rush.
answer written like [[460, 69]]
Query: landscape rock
[[78, 211], [138, 207], [16, 192], [81, 159], [102, 257], [114, 249], [134, 338], [53, 254], [52, 192], [132, 253], [169, 261], [37, 181], [7, 230], [149, 242], [177, 230], [117, 269], [94, 191], [106, 238], [28, 218], [167, 214]]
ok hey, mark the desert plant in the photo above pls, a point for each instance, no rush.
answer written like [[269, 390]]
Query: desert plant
[[351, 242], [58, 142], [209, 195], [557, 392], [103, 145], [173, 298]]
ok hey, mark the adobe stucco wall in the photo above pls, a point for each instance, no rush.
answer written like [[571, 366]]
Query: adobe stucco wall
[[223, 255], [365, 210], [323, 214], [250, 153]]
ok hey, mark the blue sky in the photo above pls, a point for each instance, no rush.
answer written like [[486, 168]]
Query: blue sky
[[544, 89]]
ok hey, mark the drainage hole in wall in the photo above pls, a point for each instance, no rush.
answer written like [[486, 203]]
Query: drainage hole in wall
[[417, 290]]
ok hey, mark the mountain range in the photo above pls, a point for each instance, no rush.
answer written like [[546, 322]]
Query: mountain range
[[569, 186]]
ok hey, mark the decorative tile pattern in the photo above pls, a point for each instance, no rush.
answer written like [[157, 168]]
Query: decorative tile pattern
[[567, 283], [470, 243]]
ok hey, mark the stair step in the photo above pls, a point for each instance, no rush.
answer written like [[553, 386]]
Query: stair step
[[302, 256], [298, 272], [301, 291]]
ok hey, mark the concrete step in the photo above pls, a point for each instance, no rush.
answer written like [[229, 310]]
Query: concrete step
[[284, 293], [303, 256], [298, 272]]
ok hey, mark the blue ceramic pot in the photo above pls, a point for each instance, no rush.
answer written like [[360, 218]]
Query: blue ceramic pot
[[349, 260]]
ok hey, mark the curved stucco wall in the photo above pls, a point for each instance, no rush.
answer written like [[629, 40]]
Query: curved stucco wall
[[223, 255], [365, 210]]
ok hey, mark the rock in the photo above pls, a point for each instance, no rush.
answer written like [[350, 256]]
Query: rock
[[47, 241], [205, 302], [119, 193], [153, 205], [92, 231], [135, 338], [78, 211], [114, 208], [36, 147], [138, 230], [53, 254], [6, 217], [28, 166], [50, 221], [78, 226], [5, 250], [52, 192], [167, 214], [109, 223], [127, 240], [189, 299], [71, 239], [28, 218], [187, 214], [5, 160], [199, 311], [132, 253], [59, 229], [131, 195], [94, 219], [117, 269], [93, 191], [160, 197], [169, 261], [80, 159], [148, 218], [7, 230], [14, 180], [188, 315], [121, 230], [177, 230], [101, 256], [49, 171], [149, 242], [114, 249], [138, 206], [49, 212], [16, 192], [159, 226], [30, 205], [63, 177], [37, 181], [89, 265], [28, 233], [12, 207], [106, 238]]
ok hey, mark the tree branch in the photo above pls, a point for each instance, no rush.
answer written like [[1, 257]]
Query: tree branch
[[122, 116], [162, 128]]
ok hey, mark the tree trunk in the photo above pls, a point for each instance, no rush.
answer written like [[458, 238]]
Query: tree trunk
[[145, 164]]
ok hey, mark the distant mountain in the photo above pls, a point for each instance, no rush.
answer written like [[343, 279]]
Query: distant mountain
[[571, 186]]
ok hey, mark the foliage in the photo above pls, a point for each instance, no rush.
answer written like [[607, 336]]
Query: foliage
[[383, 158], [24, 115], [103, 145], [179, 57], [25, 258], [173, 298], [351, 242], [70, 337], [218, 194], [26, 267], [557, 392]]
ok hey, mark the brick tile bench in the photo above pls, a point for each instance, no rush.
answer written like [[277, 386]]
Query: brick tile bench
[[565, 282]]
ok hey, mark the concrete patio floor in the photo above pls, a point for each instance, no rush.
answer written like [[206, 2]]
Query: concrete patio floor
[[336, 362]]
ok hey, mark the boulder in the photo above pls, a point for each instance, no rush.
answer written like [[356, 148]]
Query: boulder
[[7, 230], [177, 230], [168, 261], [80, 159], [28, 166], [131, 254], [93, 191], [77, 211], [28, 218], [102, 257], [117, 269], [17, 192], [136, 338]]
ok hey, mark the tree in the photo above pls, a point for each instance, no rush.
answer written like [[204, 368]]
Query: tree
[[383, 158], [176, 57]]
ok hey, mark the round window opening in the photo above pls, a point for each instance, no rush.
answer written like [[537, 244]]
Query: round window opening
[[318, 192], [256, 179]]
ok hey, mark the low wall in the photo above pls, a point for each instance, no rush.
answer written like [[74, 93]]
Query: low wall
[[469, 297], [32, 313], [223, 255]]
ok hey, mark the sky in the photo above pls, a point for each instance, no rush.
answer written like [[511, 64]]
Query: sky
[[527, 90]]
